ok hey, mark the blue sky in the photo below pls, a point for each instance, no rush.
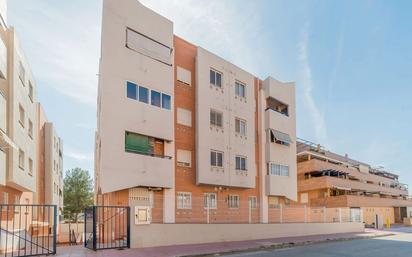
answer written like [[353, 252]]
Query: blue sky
[[351, 61]]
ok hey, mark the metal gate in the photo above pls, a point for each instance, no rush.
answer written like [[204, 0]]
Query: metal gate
[[27, 230], [107, 227]]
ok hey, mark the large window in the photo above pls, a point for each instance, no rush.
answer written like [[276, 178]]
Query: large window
[[22, 115], [240, 126], [184, 200], [278, 170], [233, 201], [253, 202], [184, 117], [137, 143], [216, 158], [166, 102], [143, 94], [30, 166], [216, 78], [241, 163], [184, 158], [131, 90], [155, 98], [210, 200], [216, 118], [240, 89], [30, 129]]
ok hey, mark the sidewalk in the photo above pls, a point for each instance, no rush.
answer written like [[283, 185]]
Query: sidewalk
[[224, 247]]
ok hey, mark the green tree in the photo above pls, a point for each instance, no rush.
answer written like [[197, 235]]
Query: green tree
[[78, 193]]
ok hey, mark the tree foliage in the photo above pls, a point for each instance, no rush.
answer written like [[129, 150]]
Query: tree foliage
[[78, 193]]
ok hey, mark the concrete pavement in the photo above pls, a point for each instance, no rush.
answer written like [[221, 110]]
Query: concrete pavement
[[399, 245], [211, 248]]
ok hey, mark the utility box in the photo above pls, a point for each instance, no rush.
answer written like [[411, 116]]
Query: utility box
[[142, 215]]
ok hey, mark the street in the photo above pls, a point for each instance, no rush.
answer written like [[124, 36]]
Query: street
[[393, 246]]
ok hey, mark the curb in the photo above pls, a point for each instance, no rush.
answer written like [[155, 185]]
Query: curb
[[275, 246]]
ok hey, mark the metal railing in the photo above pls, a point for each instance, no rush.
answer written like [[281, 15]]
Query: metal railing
[[27, 230]]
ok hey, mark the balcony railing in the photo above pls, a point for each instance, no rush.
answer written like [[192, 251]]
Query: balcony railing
[[148, 154]]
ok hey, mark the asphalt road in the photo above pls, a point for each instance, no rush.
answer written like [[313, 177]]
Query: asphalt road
[[391, 246]]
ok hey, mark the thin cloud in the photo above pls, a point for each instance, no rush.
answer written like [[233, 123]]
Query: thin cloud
[[317, 118], [78, 155]]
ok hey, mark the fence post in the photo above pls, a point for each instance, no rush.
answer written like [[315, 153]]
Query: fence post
[[128, 227], [94, 228], [306, 214], [340, 215], [208, 209], [281, 213], [250, 211], [54, 228], [324, 214]]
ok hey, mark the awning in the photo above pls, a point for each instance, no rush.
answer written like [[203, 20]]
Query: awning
[[6, 142], [342, 188], [280, 136]]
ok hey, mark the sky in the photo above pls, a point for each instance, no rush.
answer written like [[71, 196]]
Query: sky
[[351, 62]]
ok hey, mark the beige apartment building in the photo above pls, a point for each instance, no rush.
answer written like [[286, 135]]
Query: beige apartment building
[[30, 151], [181, 130], [50, 163], [333, 180]]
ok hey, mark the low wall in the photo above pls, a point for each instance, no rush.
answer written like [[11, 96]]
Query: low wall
[[178, 234]]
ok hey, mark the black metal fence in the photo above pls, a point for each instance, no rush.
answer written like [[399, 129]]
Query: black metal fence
[[27, 230], [107, 227]]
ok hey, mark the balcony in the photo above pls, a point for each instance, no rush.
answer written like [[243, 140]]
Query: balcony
[[318, 165], [281, 186], [350, 185], [278, 121], [359, 201]]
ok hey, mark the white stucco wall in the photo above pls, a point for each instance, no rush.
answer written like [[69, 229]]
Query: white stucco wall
[[225, 140], [118, 114], [179, 234]]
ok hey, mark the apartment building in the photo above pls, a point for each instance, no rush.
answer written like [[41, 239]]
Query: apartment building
[[18, 131], [30, 151], [181, 130], [329, 179], [50, 163]]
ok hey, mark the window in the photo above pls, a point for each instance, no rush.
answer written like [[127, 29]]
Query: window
[[155, 98], [131, 90], [184, 76], [216, 118], [216, 159], [253, 202], [184, 158], [21, 159], [216, 78], [184, 200], [277, 106], [273, 202], [279, 137], [233, 201], [240, 89], [304, 198], [22, 115], [16, 199], [166, 102], [143, 94], [137, 143], [240, 126], [31, 91], [5, 198], [278, 170], [210, 200], [22, 73], [30, 166], [241, 163], [184, 117], [31, 129]]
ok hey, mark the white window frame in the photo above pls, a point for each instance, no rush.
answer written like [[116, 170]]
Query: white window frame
[[252, 202], [216, 152], [181, 198], [214, 121], [215, 78], [275, 169], [239, 85], [184, 117], [30, 129], [22, 73], [212, 200], [240, 158], [30, 167], [22, 115], [183, 163], [240, 126], [21, 159], [233, 201]]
